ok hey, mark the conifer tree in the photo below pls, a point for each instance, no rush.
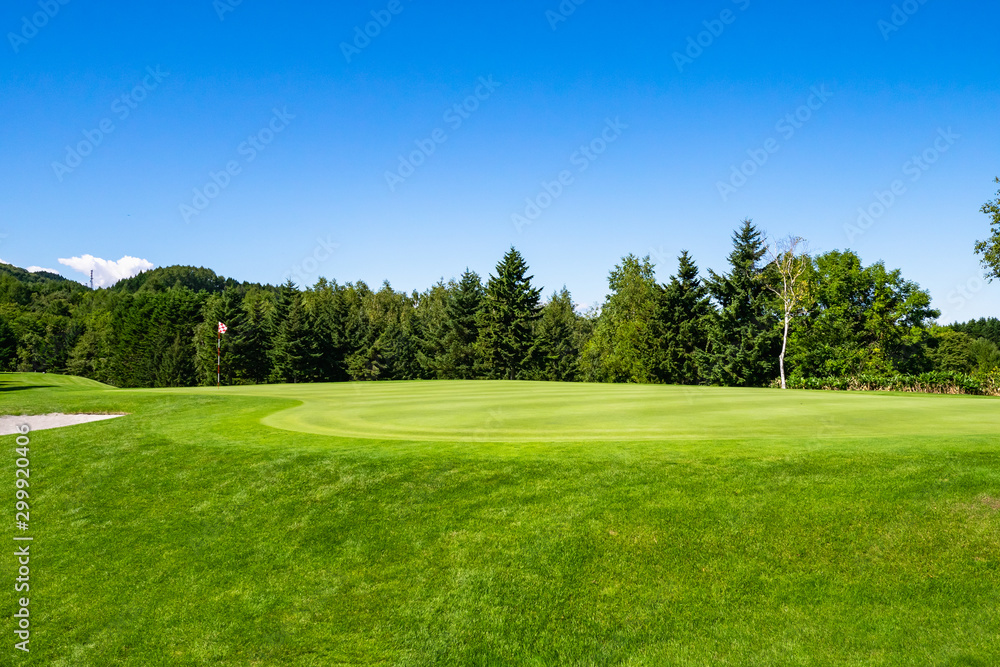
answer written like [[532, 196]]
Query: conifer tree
[[743, 343], [510, 307], [294, 355], [558, 342], [459, 331], [681, 322]]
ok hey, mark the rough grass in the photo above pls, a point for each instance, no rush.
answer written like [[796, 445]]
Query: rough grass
[[192, 533]]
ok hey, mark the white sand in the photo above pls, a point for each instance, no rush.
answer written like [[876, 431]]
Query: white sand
[[9, 425]]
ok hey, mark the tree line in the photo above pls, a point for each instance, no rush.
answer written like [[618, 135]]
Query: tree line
[[735, 328]]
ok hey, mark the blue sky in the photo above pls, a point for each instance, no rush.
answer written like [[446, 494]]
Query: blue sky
[[195, 89]]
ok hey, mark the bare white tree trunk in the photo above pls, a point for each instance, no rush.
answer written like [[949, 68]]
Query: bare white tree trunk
[[784, 348]]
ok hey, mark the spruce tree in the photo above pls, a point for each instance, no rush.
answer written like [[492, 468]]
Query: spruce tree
[[460, 330], [681, 323], [558, 342], [510, 307], [255, 340], [744, 343], [294, 355]]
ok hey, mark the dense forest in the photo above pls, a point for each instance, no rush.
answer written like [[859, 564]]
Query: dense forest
[[159, 329]]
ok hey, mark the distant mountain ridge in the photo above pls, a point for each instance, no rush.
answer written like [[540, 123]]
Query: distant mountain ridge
[[26, 276], [195, 278]]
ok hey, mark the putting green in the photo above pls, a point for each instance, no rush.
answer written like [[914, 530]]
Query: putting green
[[524, 411]]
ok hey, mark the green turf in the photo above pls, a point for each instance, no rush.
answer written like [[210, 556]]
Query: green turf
[[510, 524]]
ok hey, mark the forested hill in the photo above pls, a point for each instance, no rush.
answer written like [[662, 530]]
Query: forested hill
[[159, 329], [196, 279], [27, 277]]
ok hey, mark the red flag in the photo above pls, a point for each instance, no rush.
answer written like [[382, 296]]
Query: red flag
[[222, 328]]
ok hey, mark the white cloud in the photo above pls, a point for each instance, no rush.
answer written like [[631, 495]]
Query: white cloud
[[107, 273], [38, 269], [3, 261]]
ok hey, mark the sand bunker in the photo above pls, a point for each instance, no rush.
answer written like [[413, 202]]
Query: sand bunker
[[9, 425]]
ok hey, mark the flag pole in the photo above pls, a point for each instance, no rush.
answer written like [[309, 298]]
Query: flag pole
[[218, 360]]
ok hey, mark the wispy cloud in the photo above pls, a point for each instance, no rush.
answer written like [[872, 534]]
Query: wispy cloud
[[107, 273]]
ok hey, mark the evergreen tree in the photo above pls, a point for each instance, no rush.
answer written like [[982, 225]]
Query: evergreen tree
[[681, 322], [255, 339], [558, 340], [459, 331], [743, 341], [294, 354], [510, 307]]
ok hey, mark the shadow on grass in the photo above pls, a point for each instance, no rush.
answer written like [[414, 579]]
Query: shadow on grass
[[40, 386]]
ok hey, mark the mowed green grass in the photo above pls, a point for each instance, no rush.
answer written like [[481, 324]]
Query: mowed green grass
[[508, 524]]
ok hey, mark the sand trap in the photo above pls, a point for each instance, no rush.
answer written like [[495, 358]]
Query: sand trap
[[8, 425]]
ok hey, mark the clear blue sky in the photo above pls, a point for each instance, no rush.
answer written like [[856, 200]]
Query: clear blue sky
[[654, 189]]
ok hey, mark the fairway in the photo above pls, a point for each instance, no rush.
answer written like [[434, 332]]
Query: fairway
[[496, 523]]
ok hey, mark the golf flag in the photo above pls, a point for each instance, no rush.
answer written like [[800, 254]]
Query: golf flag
[[222, 328]]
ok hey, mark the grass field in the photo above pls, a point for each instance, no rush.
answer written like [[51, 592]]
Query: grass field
[[485, 523]]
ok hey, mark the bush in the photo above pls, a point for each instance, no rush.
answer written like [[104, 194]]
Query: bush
[[937, 382]]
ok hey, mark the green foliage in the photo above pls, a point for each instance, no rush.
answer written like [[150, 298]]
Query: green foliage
[[560, 335], [860, 320], [622, 348], [8, 346], [193, 278], [451, 337], [935, 382], [988, 328], [683, 314], [510, 307], [985, 356], [990, 248], [743, 340], [294, 353], [950, 351]]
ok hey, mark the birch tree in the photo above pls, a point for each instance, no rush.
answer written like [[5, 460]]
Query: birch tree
[[790, 260]]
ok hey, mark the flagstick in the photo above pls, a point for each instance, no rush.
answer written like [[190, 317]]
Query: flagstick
[[218, 361]]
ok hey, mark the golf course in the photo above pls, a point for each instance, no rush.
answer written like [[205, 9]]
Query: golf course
[[507, 523]]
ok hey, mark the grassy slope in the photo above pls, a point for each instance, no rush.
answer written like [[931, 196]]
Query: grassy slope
[[190, 533]]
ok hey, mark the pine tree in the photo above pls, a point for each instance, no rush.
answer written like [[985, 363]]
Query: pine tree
[[681, 323], [510, 307], [743, 339]]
